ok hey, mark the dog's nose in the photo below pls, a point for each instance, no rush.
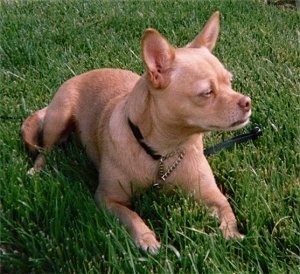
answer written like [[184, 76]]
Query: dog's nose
[[245, 103]]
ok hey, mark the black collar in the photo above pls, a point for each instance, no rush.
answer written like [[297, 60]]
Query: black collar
[[253, 134], [140, 139]]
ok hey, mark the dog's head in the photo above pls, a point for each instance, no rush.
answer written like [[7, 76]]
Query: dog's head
[[190, 86]]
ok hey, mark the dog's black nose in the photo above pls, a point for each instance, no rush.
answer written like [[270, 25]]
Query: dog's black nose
[[245, 103]]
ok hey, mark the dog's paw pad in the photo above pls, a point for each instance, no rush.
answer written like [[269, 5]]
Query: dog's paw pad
[[148, 242]]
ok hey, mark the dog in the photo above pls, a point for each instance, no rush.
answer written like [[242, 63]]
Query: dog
[[147, 130]]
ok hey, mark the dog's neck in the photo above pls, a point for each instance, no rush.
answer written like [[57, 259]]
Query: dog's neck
[[140, 139], [157, 136]]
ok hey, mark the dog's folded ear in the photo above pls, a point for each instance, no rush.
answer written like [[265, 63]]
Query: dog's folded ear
[[158, 56], [209, 34]]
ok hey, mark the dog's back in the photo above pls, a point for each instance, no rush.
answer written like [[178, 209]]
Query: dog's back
[[77, 105]]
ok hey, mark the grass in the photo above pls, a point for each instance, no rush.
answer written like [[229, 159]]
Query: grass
[[49, 222]]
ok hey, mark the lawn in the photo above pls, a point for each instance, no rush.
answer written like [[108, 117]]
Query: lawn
[[49, 222]]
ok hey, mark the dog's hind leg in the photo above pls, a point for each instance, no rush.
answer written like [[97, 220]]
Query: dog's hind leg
[[58, 124], [45, 128], [32, 133], [31, 130]]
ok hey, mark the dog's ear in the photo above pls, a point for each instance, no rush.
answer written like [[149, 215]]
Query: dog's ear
[[209, 34], [158, 56]]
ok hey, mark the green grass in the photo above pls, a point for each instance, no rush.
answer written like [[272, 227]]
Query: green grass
[[49, 222]]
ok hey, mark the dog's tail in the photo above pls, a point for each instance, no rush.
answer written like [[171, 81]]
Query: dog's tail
[[31, 130]]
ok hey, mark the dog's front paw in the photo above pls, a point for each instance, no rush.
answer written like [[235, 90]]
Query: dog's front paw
[[148, 242], [32, 171], [231, 232]]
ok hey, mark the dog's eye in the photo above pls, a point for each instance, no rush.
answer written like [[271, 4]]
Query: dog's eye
[[207, 93]]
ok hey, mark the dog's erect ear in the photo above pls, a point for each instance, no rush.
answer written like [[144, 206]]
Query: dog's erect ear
[[158, 56], [209, 34]]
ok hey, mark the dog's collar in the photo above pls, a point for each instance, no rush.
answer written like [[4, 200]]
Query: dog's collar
[[163, 173], [140, 139]]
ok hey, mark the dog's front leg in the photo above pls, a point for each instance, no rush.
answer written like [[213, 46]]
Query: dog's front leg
[[205, 190], [142, 235]]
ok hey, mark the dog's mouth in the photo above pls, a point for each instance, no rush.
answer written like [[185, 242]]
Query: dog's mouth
[[233, 126], [240, 122]]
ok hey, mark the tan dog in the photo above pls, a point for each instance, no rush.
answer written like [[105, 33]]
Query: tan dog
[[140, 131]]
